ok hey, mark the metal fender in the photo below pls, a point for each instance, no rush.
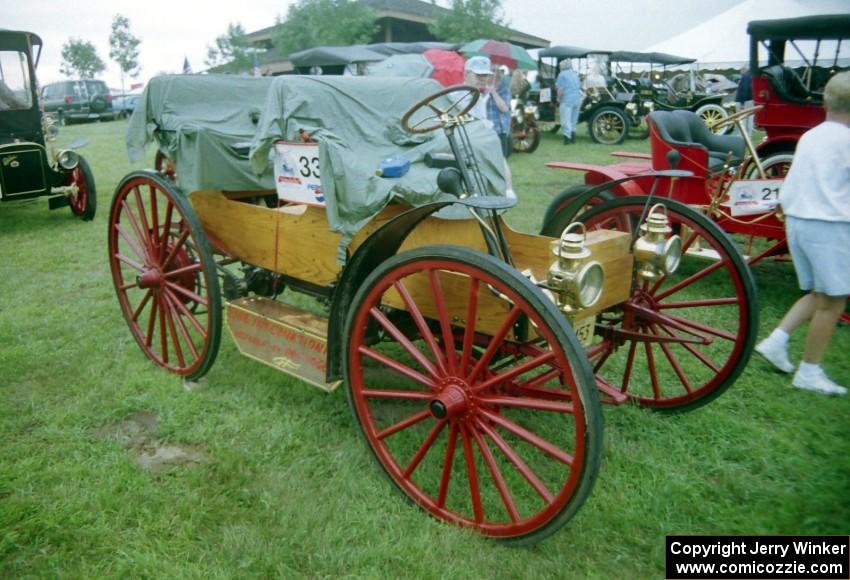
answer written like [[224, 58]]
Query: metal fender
[[381, 245]]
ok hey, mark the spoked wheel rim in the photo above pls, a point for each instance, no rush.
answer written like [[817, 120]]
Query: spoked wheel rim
[[775, 166], [608, 127], [164, 275], [82, 203], [500, 436], [527, 141], [679, 341], [712, 114]]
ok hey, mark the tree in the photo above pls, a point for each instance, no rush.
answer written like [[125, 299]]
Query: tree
[[310, 23], [232, 48], [79, 58], [124, 48], [470, 19]]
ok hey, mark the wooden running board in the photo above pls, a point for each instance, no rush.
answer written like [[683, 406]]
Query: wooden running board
[[282, 336]]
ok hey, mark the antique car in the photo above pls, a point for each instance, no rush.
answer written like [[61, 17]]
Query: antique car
[[608, 120], [474, 357], [29, 164], [651, 90], [791, 60], [617, 102]]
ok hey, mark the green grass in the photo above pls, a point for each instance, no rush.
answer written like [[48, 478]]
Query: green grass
[[290, 490]]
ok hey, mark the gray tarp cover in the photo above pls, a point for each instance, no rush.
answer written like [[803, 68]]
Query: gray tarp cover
[[356, 120], [197, 119]]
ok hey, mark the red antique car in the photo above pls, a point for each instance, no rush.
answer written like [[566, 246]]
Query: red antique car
[[791, 60]]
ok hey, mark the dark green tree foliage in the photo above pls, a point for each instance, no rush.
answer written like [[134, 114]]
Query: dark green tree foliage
[[310, 23], [124, 48], [232, 48], [79, 58], [469, 20]]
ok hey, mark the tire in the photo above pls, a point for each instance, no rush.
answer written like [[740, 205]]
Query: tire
[[712, 113], [608, 126], [554, 222], [164, 275], [446, 406], [529, 142], [61, 119], [775, 166], [707, 312], [83, 204], [97, 104]]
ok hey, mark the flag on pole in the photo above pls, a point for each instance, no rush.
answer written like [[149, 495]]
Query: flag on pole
[[187, 68]]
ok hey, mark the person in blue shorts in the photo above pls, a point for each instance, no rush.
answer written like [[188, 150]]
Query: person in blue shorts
[[816, 199]]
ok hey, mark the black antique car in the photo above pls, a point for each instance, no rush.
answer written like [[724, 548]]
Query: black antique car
[[29, 164], [617, 101]]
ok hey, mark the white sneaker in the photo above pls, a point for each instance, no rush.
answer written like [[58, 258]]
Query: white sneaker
[[817, 381], [776, 354]]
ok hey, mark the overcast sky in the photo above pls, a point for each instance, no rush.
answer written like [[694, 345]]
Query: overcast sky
[[172, 29]]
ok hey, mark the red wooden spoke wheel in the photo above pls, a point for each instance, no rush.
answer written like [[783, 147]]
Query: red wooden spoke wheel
[[680, 341], [496, 430], [164, 274], [83, 203]]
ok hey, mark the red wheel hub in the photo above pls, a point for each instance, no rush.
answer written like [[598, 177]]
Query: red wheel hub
[[453, 400], [150, 279]]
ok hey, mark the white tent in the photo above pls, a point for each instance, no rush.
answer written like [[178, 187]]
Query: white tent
[[722, 41]]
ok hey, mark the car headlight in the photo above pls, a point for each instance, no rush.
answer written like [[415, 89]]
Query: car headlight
[[657, 252], [51, 130], [576, 280], [68, 159]]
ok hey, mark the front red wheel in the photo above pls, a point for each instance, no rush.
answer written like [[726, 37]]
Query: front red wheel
[[83, 201], [472, 393], [681, 340], [164, 274]]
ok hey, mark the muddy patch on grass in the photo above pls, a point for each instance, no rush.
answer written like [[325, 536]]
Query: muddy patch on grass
[[137, 434]]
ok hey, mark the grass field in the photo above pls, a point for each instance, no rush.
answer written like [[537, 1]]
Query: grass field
[[284, 487]]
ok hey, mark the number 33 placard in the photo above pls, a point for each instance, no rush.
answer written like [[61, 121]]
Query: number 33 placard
[[296, 172]]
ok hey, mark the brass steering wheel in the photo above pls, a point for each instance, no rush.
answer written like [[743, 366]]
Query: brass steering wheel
[[462, 99]]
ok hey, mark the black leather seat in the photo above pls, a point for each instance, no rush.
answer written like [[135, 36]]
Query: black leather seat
[[789, 85], [686, 128]]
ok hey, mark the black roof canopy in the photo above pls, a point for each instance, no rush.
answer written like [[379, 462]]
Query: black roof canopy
[[343, 55], [569, 52], [805, 28], [17, 39], [649, 58]]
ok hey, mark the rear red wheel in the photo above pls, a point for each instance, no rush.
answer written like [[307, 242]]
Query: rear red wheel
[[164, 275], [680, 341], [484, 420], [83, 202]]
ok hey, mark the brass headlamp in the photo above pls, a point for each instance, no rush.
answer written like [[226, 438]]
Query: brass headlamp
[[68, 159], [576, 280], [657, 252], [51, 131]]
